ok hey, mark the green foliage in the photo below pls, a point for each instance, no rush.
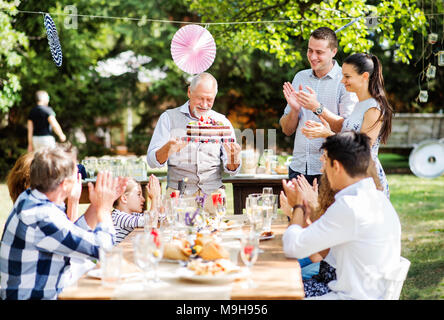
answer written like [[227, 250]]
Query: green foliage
[[398, 20], [252, 62], [12, 43]]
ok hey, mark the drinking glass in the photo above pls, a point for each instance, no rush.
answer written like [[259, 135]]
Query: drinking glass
[[110, 265], [269, 207], [186, 207], [219, 203], [90, 167], [249, 254], [268, 153], [151, 220], [155, 251], [273, 163], [267, 190], [167, 215], [258, 214], [250, 204], [141, 257]]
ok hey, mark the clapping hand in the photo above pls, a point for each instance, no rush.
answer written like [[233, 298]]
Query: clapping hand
[[315, 129], [106, 190], [285, 207], [76, 190], [73, 198], [307, 99], [294, 196], [309, 193], [290, 197], [291, 96], [153, 189], [122, 182]]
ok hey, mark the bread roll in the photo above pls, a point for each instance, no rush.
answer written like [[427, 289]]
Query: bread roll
[[176, 250], [213, 251]]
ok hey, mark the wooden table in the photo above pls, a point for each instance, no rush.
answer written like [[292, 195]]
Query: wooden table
[[277, 277], [243, 185]]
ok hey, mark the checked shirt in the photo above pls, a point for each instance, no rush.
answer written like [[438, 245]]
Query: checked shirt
[[38, 243]]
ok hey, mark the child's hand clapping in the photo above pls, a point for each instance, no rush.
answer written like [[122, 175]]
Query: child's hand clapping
[[154, 190]]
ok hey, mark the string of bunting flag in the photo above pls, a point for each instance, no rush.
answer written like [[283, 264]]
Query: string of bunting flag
[[193, 48]]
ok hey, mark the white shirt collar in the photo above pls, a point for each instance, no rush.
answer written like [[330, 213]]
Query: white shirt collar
[[332, 73], [366, 183], [41, 196]]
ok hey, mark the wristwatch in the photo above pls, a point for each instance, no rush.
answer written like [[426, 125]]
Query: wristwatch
[[298, 206], [319, 109], [292, 212]]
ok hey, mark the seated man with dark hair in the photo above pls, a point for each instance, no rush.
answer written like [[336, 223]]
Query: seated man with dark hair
[[361, 228], [39, 241]]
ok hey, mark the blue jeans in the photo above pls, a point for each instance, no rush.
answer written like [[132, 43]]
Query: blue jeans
[[308, 268]]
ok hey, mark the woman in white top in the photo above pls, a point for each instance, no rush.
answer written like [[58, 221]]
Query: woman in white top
[[372, 115]]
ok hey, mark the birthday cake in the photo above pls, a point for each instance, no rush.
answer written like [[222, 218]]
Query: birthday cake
[[207, 128]]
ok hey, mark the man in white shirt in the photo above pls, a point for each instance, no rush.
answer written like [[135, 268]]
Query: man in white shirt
[[317, 88], [199, 163], [361, 228]]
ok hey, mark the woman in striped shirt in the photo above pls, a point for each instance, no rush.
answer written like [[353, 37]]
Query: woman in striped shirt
[[128, 209]]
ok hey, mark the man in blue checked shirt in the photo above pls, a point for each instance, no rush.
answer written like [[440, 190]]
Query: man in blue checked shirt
[[39, 240]]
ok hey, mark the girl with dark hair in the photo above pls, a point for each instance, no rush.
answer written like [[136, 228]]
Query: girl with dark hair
[[362, 74]]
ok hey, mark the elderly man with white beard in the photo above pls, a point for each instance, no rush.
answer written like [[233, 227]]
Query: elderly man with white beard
[[200, 164]]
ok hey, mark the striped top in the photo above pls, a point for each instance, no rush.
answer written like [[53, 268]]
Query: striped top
[[124, 223]]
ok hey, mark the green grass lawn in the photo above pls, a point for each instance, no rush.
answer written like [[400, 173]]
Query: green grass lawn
[[420, 205], [392, 160]]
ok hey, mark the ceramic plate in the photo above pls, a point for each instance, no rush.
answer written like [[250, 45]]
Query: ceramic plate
[[266, 237], [187, 274], [97, 274]]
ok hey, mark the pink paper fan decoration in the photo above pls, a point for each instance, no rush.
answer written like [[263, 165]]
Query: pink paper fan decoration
[[193, 49]]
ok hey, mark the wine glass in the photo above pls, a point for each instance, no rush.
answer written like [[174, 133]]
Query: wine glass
[[141, 257], [219, 203], [151, 220], [90, 167], [155, 251], [167, 213], [249, 254]]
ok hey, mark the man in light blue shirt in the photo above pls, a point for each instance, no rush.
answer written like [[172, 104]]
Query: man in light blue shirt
[[199, 163], [319, 87], [323, 89]]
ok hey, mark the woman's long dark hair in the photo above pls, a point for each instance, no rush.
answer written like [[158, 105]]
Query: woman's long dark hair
[[370, 63]]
